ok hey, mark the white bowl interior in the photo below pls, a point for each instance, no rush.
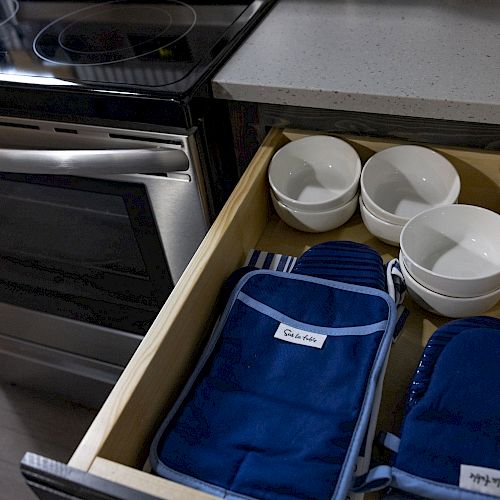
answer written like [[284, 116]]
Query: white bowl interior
[[314, 170], [458, 241], [406, 180]]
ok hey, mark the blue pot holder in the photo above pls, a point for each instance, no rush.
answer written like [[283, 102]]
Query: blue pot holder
[[280, 403], [450, 438]]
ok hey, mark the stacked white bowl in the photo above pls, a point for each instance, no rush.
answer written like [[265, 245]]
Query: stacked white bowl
[[450, 259], [314, 183], [398, 183]]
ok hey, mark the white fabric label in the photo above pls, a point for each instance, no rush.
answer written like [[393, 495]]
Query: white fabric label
[[295, 336], [480, 479]]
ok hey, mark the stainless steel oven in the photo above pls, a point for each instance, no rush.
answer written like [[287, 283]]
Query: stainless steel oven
[[114, 159], [96, 226]]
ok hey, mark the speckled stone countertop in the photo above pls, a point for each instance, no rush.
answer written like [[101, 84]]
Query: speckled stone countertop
[[424, 58]]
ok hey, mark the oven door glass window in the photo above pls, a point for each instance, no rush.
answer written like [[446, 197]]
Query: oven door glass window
[[87, 249]]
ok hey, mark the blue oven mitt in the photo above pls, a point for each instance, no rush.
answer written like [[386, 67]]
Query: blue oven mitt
[[345, 261], [281, 399], [450, 438]]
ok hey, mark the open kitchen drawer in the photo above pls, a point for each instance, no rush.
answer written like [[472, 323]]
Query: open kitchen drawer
[[116, 446]]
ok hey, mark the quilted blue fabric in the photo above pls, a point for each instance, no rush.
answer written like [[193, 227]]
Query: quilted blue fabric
[[266, 418], [453, 414], [345, 261]]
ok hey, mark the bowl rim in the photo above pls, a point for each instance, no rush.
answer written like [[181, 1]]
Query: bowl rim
[[451, 197], [377, 226], [407, 227], [432, 293], [392, 225], [312, 213], [337, 201], [315, 222]]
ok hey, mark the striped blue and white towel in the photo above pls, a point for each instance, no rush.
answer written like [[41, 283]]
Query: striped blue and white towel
[[269, 260]]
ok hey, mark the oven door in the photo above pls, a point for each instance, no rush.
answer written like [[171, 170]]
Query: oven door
[[96, 226]]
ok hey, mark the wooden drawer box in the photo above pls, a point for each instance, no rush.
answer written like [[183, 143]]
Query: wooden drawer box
[[116, 445]]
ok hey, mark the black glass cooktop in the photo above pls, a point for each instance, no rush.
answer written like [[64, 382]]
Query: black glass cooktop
[[168, 46]]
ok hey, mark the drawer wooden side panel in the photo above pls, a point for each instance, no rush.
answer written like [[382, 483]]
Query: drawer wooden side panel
[[147, 483]]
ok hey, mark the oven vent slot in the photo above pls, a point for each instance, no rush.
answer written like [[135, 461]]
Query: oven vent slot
[[19, 125], [146, 139], [66, 130]]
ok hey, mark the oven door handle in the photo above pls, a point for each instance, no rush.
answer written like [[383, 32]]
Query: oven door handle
[[93, 162]]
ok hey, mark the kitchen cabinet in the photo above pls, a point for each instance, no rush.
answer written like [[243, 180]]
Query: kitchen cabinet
[[111, 460]]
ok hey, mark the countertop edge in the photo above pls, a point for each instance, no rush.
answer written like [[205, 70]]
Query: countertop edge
[[445, 109]]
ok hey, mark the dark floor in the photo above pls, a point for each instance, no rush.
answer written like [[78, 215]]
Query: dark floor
[[37, 422]]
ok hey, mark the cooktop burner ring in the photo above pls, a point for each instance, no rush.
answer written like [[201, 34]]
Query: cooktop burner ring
[[63, 32], [38, 47], [14, 8]]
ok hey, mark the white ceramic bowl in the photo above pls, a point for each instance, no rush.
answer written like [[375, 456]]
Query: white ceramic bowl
[[451, 307], [454, 250], [386, 231], [315, 222], [316, 173], [402, 181]]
